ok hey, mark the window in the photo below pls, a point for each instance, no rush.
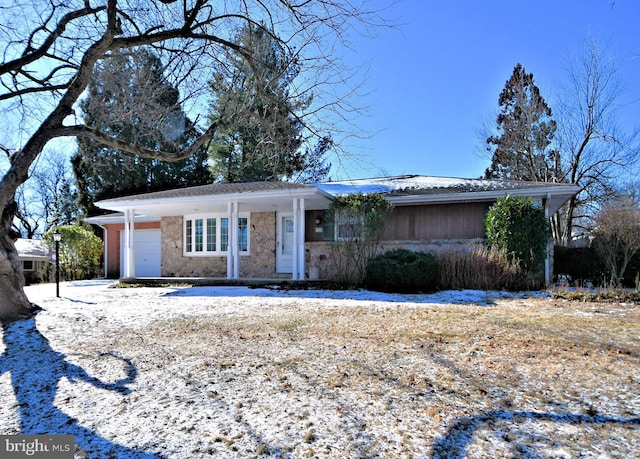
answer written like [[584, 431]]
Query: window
[[209, 235], [27, 265], [243, 234], [348, 226]]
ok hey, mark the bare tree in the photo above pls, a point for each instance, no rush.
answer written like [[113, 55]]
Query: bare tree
[[51, 48], [48, 198], [617, 234], [593, 150]]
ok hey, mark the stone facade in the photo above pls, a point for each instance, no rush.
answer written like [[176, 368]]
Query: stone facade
[[259, 263], [261, 260]]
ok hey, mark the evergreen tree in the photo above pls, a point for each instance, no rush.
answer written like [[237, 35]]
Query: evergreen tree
[[129, 98], [265, 139], [521, 150], [316, 167]]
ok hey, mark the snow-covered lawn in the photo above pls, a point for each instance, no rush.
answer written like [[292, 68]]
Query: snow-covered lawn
[[224, 372]]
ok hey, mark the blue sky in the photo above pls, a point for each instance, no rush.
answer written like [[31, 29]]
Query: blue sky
[[436, 78]]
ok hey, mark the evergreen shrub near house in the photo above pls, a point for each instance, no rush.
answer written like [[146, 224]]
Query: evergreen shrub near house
[[520, 229], [402, 271], [580, 265], [583, 265], [632, 273]]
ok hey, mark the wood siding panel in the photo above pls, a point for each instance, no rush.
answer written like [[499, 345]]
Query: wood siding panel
[[436, 221]]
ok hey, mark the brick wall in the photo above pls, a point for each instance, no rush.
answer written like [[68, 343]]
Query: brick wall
[[112, 235]]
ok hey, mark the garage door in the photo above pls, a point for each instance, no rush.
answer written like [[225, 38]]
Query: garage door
[[147, 252]]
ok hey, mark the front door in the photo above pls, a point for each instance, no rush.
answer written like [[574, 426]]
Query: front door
[[284, 242]]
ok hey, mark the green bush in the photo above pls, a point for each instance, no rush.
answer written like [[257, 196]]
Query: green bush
[[402, 271], [580, 264], [632, 273], [515, 225], [81, 252]]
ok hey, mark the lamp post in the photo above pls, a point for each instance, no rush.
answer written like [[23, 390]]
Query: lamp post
[[56, 238]]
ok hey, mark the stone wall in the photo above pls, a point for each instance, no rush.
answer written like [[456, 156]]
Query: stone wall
[[260, 262], [321, 255], [262, 246]]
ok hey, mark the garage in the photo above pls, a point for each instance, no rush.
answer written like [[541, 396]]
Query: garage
[[147, 245]]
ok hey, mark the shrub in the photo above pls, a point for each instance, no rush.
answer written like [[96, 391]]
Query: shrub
[[483, 268], [632, 275], [402, 271], [80, 252], [360, 220], [580, 264], [519, 228]]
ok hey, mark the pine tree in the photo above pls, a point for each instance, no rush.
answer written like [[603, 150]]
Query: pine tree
[[521, 150], [265, 140], [129, 98]]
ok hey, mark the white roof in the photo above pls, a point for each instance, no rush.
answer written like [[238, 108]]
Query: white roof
[[400, 190], [32, 249], [421, 189]]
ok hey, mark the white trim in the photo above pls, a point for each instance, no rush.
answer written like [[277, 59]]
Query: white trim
[[233, 239], [283, 266], [547, 257], [300, 242], [246, 197], [129, 244], [33, 265], [219, 252], [229, 254], [298, 257], [294, 255]]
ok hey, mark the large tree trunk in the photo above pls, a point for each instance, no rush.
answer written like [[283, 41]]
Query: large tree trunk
[[14, 304]]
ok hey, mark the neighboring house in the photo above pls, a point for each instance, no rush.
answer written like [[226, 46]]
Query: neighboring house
[[279, 229], [35, 256]]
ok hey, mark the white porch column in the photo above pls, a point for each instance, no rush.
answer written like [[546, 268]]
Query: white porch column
[[300, 241], [229, 244], [129, 247], [547, 259], [234, 237], [233, 252], [294, 255]]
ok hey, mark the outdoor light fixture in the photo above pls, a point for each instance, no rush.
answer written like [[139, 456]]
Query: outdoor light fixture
[[318, 220], [56, 237]]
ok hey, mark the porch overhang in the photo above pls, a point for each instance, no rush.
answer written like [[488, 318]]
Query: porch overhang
[[230, 199], [215, 199]]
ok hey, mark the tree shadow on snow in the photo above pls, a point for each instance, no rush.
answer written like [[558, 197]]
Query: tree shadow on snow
[[36, 370], [454, 443]]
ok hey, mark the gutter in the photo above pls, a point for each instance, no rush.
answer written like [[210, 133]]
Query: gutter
[[479, 196], [115, 204]]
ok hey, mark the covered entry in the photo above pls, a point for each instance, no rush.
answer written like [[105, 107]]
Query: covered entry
[[211, 230]]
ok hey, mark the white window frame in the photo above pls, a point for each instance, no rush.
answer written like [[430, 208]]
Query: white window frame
[[33, 265], [218, 217], [353, 223]]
